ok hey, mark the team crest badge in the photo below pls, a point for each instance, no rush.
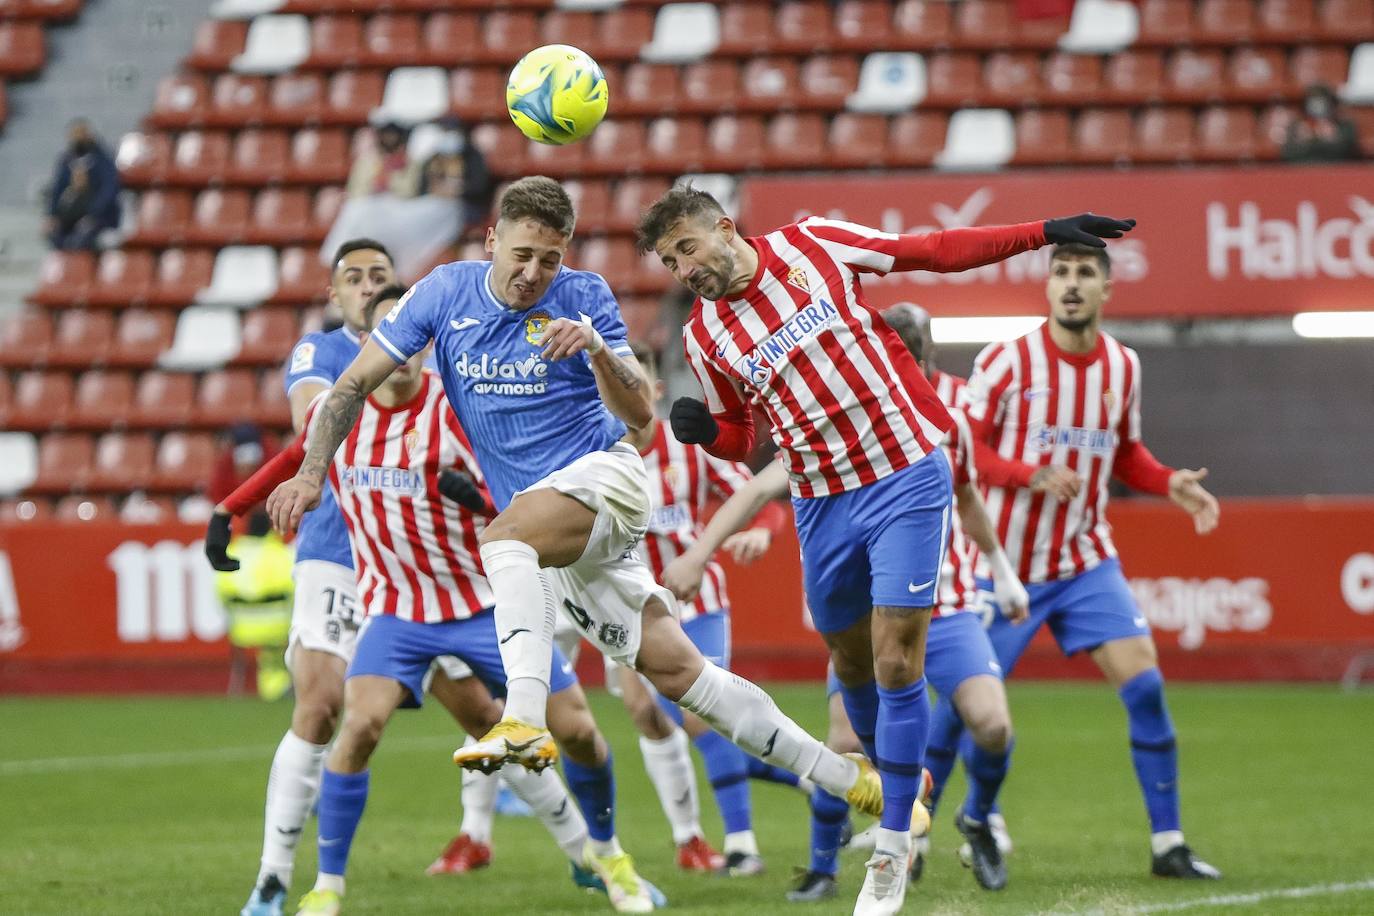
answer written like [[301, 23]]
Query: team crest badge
[[672, 474], [410, 438], [535, 326], [796, 275], [1109, 400], [614, 635]]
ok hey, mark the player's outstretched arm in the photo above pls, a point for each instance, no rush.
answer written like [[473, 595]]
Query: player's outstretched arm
[[332, 421], [1187, 492], [1007, 588], [247, 495], [619, 379]]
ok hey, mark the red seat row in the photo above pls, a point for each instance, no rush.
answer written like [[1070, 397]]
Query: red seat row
[[82, 507], [22, 48], [217, 217], [119, 462], [47, 10], [254, 157]]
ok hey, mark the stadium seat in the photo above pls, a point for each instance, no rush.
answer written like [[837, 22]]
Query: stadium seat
[[889, 82], [64, 278], [22, 49], [914, 138], [303, 278], [82, 339], [734, 143], [50, 11], [161, 218], [1286, 21], [1194, 75], [323, 211], [122, 462], [746, 29], [630, 199], [122, 278], [1072, 79], [413, 95], [268, 334], [921, 25], [181, 274], [40, 400], [1256, 75], [1042, 137], [25, 338], [570, 27], [1226, 134], [318, 157], [199, 158], [1364, 126], [1133, 77], [1163, 135], [217, 43], [336, 42], [1318, 64], [281, 218], [1359, 85], [795, 141], [566, 161], [507, 34], [142, 158], [1345, 20], [102, 400], [353, 96], [1101, 26], [64, 463], [978, 138], [987, 25], [244, 9], [141, 509], [244, 275], [219, 218], [226, 397], [1271, 131], [953, 80], [1224, 22], [505, 149], [617, 147], [275, 44], [18, 466], [206, 337], [4, 104], [1102, 136], [237, 100], [623, 32], [591, 200], [22, 511], [140, 337], [613, 258], [710, 86], [162, 400], [85, 508], [769, 84], [1165, 23], [827, 82], [391, 40], [857, 22], [856, 141], [479, 93], [1011, 78], [648, 89], [258, 157], [274, 411], [802, 27], [675, 145], [449, 38], [686, 32], [182, 100]]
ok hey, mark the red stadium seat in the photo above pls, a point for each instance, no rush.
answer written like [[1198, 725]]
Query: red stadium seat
[[1345, 20], [85, 508], [504, 148], [282, 217], [123, 462], [103, 399], [26, 510], [1164, 135], [591, 200], [478, 93], [41, 401], [1194, 75], [983, 24], [952, 80], [217, 43], [1165, 23], [268, 334], [648, 89], [623, 32], [921, 25], [82, 339], [144, 158], [200, 158], [122, 278], [294, 99], [1318, 64], [220, 218], [448, 39], [570, 27], [734, 143], [507, 34], [827, 81], [618, 147], [352, 96], [1286, 21], [258, 157], [675, 145], [163, 399], [64, 278], [746, 29], [1226, 134], [6, 398], [181, 273], [1224, 22], [1011, 78], [140, 337], [1133, 77], [857, 141], [303, 278], [335, 42], [391, 40], [274, 411], [182, 100], [795, 141], [560, 161], [858, 22], [770, 84], [4, 105], [64, 462], [632, 197], [226, 397], [1102, 136], [318, 157], [26, 338], [237, 100], [1042, 137], [1256, 75], [710, 86], [324, 210], [1363, 116], [162, 217], [48, 10], [22, 51], [613, 258], [914, 138], [1073, 79], [802, 27]]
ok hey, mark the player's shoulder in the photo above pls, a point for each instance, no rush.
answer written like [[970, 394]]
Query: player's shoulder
[[1110, 343], [572, 282]]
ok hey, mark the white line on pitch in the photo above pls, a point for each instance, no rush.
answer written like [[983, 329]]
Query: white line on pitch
[[1278, 893]]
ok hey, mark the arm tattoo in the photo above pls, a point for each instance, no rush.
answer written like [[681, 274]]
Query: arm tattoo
[[627, 377], [333, 422]]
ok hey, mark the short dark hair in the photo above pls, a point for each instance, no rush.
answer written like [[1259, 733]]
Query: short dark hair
[[540, 199], [359, 244], [385, 294], [646, 356], [680, 202], [1079, 250]]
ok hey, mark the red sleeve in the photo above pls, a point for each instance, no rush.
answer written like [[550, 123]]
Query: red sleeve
[[1138, 469], [735, 438], [997, 471], [962, 249], [771, 516], [258, 487], [222, 479]]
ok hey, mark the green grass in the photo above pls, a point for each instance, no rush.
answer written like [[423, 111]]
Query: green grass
[[1276, 792]]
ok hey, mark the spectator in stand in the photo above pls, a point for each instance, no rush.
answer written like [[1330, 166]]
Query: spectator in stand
[[383, 167], [83, 200], [248, 449], [1321, 133], [458, 171]]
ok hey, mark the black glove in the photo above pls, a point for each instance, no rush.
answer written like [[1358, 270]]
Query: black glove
[[1086, 229], [217, 543], [692, 422], [462, 489]]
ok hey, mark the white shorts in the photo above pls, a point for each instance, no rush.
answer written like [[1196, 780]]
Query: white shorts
[[605, 590], [325, 614], [567, 636]]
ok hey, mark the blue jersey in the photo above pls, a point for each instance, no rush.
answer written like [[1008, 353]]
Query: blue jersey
[[321, 357], [525, 417]]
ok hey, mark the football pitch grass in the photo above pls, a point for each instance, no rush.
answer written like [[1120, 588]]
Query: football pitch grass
[[146, 806]]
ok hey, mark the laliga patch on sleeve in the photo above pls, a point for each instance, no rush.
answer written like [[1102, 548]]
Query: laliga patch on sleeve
[[395, 312], [302, 358]]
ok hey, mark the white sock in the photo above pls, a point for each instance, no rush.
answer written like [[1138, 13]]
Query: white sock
[[292, 786], [805, 786], [746, 715], [603, 848], [524, 602], [1165, 840], [743, 841], [546, 795], [479, 802], [897, 842], [333, 883], [669, 763]]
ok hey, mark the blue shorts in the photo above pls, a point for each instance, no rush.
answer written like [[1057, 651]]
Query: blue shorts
[[1084, 612], [957, 648], [403, 650], [710, 633], [878, 545]]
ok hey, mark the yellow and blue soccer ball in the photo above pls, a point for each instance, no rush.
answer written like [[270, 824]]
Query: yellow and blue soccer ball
[[556, 94]]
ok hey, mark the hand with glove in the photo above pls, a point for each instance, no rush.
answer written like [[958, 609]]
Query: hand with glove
[[1086, 229], [692, 422], [463, 490], [217, 536]]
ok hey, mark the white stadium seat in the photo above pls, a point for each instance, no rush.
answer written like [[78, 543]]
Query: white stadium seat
[[275, 44], [889, 81], [1101, 26], [683, 32], [724, 188], [413, 95], [244, 9], [206, 337], [1359, 82], [18, 462], [244, 276], [978, 138]]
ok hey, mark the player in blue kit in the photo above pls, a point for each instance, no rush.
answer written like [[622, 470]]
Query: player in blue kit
[[535, 362]]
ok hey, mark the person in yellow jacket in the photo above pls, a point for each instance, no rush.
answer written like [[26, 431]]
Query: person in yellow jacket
[[257, 598]]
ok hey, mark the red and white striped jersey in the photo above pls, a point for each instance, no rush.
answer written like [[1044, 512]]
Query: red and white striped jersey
[[1036, 404], [682, 479], [847, 403], [957, 588], [947, 387], [415, 553]]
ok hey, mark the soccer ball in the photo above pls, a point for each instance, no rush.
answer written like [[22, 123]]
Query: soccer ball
[[556, 94]]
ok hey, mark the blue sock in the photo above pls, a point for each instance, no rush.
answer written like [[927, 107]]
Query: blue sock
[[861, 705], [769, 773], [828, 815], [942, 749], [728, 769], [903, 724], [594, 789], [986, 773], [1153, 750], [343, 796]]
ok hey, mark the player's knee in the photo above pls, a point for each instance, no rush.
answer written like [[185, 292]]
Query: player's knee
[[359, 737], [895, 668], [315, 718], [850, 670], [649, 720], [582, 742], [992, 732]]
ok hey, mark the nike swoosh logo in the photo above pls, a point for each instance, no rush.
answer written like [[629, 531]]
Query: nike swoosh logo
[[511, 635], [285, 832], [720, 352], [768, 748], [464, 324], [561, 809], [327, 842], [684, 799], [913, 588]]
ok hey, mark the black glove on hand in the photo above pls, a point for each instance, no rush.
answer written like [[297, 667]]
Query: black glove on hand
[[692, 422], [217, 543], [462, 489], [1086, 229]]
